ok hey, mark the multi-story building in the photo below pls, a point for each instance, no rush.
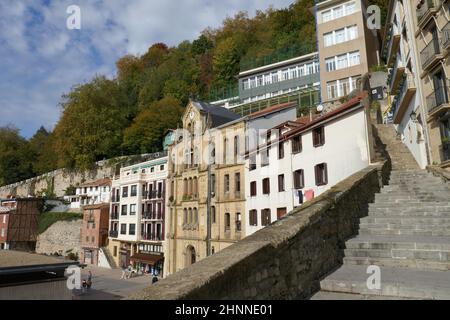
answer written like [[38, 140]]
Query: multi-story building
[[302, 158], [137, 216], [94, 232], [400, 54], [347, 48], [19, 223], [206, 178], [95, 192], [294, 79], [431, 22]]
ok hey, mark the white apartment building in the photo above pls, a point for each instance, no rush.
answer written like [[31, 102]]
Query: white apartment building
[[137, 216], [95, 192], [304, 156]]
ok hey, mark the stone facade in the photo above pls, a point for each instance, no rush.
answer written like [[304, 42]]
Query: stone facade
[[287, 259], [60, 237]]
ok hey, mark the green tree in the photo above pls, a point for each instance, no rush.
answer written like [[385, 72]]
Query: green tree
[[146, 133]]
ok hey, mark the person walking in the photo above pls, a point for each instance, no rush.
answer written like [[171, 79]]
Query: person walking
[[123, 273]]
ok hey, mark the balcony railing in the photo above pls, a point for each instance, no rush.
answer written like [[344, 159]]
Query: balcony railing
[[115, 199], [154, 194], [396, 74], [438, 98], [152, 216], [113, 233], [151, 237], [429, 6], [115, 216], [392, 42], [430, 53], [404, 96]]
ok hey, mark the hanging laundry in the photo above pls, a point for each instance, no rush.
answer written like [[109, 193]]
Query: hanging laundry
[[309, 194], [300, 196]]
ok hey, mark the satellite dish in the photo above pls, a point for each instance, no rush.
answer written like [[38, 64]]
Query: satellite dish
[[319, 108]]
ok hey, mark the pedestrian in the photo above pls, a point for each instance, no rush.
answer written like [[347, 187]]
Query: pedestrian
[[155, 279], [89, 280], [123, 273]]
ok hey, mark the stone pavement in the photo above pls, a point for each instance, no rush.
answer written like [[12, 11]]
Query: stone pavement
[[107, 285]]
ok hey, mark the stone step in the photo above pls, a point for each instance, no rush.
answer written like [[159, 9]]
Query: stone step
[[395, 282], [423, 264], [406, 226], [411, 205], [402, 254], [325, 295], [409, 213], [399, 242], [385, 199], [383, 231], [406, 220]]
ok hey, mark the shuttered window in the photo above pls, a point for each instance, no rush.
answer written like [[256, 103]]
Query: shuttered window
[[265, 217], [319, 137], [266, 186], [281, 183], [299, 179], [297, 144], [253, 217], [253, 188], [321, 173]]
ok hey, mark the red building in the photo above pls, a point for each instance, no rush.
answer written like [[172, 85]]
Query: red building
[[94, 232]]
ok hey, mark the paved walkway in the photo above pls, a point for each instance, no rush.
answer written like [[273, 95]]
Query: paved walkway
[[107, 285]]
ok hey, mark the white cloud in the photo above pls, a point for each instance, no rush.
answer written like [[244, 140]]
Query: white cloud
[[42, 59]]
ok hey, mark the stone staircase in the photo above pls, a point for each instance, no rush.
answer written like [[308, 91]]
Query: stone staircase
[[109, 257], [406, 234]]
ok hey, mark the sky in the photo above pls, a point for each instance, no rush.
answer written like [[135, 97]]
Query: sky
[[41, 58]]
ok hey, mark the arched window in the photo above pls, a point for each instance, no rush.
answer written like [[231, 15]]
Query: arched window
[[190, 215], [236, 149], [213, 214], [195, 216], [190, 255], [185, 216], [195, 187], [190, 187], [185, 187], [225, 147]]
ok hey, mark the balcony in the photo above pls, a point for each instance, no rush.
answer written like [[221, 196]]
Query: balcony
[[114, 216], [431, 55], [113, 233], [438, 102], [115, 199], [445, 41], [396, 74], [426, 11], [403, 98], [152, 216], [392, 43], [151, 237], [154, 194]]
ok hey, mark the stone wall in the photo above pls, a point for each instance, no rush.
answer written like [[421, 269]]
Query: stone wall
[[285, 260], [60, 237]]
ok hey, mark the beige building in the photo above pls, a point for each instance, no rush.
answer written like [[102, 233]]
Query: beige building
[[347, 48], [432, 34], [206, 179]]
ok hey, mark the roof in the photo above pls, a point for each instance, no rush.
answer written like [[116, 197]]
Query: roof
[[100, 183], [12, 259], [219, 115], [275, 108], [346, 106]]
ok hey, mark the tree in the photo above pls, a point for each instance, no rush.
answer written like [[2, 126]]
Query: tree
[[226, 62], [146, 133], [92, 124], [15, 156]]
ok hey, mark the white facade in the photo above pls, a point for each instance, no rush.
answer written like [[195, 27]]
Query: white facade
[[412, 133], [131, 199], [345, 152], [89, 195]]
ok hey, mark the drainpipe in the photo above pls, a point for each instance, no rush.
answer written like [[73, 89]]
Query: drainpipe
[[208, 203]]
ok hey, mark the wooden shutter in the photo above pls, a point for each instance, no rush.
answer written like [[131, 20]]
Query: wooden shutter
[[316, 173], [325, 173], [322, 135]]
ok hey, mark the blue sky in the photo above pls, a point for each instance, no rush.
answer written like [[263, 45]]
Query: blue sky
[[40, 59]]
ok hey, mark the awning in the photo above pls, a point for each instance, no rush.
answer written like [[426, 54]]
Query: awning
[[146, 258]]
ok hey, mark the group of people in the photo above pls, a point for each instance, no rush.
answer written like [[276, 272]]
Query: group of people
[[128, 272]]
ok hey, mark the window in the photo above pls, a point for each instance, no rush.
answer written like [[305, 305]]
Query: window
[[354, 58], [328, 39], [161, 167], [281, 212], [281, 150], [281, 183], [350, 8], [339, 36], [330, 64], [213, 214], [227, 221], [225, 146], [246, 84], [227, 183], [132, 229], [132, 209], [327, 16], [125, 192], [352, 33], [341, 62], [297, 144], [124, 210], [238, 221], [265, 217], [185, 216], [213, 184], [253, 189], [338, 12], [318, 137], [236, 149], [123, 228], [266, 186], [252, 160], [265, 157], [299, 179], [133, 191], [332, 91], [259, 81], [285, 74], [237, 180], [253, 217], [274, 77], [321, 174]]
